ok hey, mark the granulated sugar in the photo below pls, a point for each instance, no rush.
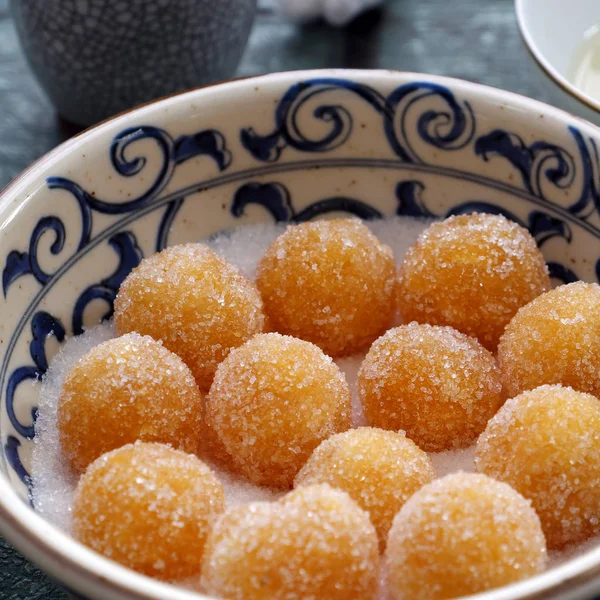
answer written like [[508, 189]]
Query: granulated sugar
[[272, 402], [380, 470], [245, 246], [317, 542], [481, 530], [557, 558], [453, 461], [239, 491], [383, 593], [332, 283], [54, 482], [198, 305], [148, 507], [127, 389], [553, 340], [435, 383], [545, 443], [472, 272], [349, 366]]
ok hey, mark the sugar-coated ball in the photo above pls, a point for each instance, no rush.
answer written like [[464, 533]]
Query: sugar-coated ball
[[460, 535], [554, 339], [329, 282], [472, 272], [126, 389], [272, 402], [546, 444], [314, 543], [148, 507], [379, 469], [197, 304], [438, 385]]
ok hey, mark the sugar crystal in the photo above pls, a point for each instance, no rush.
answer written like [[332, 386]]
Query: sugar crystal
[[472, 272]]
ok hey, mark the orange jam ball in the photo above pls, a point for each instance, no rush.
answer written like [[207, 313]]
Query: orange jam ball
[[126, 389], [460, 535], [272, 402], [379, 469], [438, 385], [148, 507], [197, 304], [329, 282], [472, 272], [546, 444], [554, 339], [314, 543]]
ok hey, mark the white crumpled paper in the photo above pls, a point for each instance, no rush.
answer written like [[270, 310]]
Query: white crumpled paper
[[336, 12]]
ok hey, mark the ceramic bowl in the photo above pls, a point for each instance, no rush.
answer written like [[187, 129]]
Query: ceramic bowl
[[284, 147], [553, 31], [96, 58]]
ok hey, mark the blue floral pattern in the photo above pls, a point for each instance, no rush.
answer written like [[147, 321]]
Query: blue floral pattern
[[448, 129], [276, 199], [313, 123]]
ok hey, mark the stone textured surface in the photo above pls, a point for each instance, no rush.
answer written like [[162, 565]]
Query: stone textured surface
[[466, 38], [20, 580]]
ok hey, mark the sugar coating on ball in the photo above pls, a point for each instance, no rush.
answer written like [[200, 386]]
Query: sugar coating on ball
[[554, 339], [329, 282], [148, 507], [197, 304], [472, 272], [438, 385], [379, 469], [314, 543], [126, 389], [460, 535], [546, 444], [272, 402]]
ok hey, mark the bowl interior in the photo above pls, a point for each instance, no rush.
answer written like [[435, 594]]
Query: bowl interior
[[288, 147], [554, 31]]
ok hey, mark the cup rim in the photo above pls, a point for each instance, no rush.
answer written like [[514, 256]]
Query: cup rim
[[70, 562], [545, 65]]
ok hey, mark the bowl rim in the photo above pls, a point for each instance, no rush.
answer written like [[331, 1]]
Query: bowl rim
[[71, 563], [545, 65]]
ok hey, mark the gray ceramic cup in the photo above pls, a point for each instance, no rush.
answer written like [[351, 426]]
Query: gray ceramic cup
[[95, 58]]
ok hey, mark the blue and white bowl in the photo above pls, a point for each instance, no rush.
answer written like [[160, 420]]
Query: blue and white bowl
[[285, 147]]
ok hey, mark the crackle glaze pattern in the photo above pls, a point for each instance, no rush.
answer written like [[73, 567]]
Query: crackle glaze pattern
[[96, 58]]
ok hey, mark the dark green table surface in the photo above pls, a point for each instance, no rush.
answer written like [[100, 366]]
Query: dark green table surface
[[471, 39]]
